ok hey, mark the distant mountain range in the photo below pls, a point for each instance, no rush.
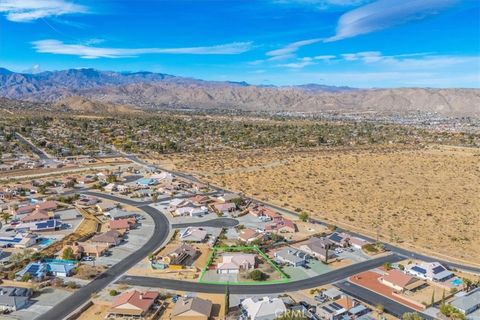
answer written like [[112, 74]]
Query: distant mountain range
[[80, 88]]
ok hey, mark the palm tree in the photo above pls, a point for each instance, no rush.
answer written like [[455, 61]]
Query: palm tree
[[327, 248], [6, 216]]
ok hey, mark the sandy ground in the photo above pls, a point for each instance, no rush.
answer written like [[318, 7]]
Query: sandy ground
[[422, 198]]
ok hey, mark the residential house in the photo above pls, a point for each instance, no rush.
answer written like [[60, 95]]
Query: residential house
[[162, 176], [133, 304], [236, 262], [93, 249], [37, 215], [111, 187], [146, 182], [124, 188], [87, 201], [316, 247], [249, 235], [265, 308], [433, 271], [121, 225], [228, 197], [36, 270], [14, 298], [340, 239], [468, 304], [191, 211], [199, 200], [336, 309], [39, 226], [69, 214], [117, 214], [265, 214], [291, 257], [44, 206], [61, 269], [105, 206], [183, 255], [358, 243], [281, 226], [110, 238], [20, 240], [192, 308], [224, 208], [399, 281], [77, 250], [193, 234], [332, 293]]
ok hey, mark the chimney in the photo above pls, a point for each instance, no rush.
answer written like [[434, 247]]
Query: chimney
[[141, 296]]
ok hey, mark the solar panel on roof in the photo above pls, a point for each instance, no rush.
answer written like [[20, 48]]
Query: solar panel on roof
[[335, 306], [326, 309], [335, 237], [13, 240], [33, 269], [418, 269], [438, 269]]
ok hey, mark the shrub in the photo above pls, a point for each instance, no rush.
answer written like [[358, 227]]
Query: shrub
[[26, 277], [257, 275], [113, 292], [71, 285]]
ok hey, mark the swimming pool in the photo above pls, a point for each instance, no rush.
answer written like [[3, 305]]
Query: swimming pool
[[45, 242], [457, 282]]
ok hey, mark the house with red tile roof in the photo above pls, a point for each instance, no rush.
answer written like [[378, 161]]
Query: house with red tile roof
[[93, 249], [37, 215], [262, 211], [235, 262], [224, 207], [111, 238], [133, 303], [122, 225], [248, 235], [45, 206], [399, 281], [281, 226]]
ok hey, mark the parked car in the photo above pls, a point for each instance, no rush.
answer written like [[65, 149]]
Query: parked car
[[87, 258], [14, 222]]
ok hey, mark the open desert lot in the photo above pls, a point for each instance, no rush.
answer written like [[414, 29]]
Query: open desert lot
[[428, 197]]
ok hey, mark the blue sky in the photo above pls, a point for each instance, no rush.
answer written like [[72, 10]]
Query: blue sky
[[360, 43]]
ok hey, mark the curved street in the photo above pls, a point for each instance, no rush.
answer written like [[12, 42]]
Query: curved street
[[161, 231], [81, 296]]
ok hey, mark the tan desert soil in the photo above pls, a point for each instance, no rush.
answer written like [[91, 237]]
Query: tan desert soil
[[427, 198]]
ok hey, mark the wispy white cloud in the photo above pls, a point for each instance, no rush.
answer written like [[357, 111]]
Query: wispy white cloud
[[301, 63], [325, 57], [323, 4], [384, 14], [418, 61], [290, 49], [30, 10], [90, 52]]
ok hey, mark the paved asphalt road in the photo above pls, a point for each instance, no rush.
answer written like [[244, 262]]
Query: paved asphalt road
[[82, 295], [316, 281], [215, 223], [40, 153], [374, 299]]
